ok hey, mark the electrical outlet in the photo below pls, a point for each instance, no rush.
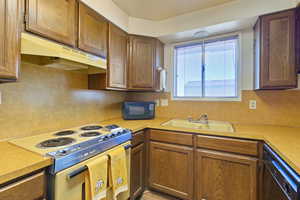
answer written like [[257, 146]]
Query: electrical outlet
[[252, 104], [164, 102], [157, 102]]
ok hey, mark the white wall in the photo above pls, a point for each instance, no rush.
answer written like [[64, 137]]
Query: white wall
[[109, 10], [236, 10]]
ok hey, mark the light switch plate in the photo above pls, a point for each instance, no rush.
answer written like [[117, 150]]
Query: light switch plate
[[252, 104], [157, 102], [164, 102]]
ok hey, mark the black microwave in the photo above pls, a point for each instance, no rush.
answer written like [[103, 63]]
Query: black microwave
[[138, 110]]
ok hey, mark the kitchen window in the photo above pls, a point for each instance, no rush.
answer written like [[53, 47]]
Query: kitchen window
[[207, 70]]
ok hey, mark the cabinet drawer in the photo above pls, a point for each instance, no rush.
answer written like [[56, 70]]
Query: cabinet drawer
[[31, 188], [138, 138], [239, 146], [172, 137]]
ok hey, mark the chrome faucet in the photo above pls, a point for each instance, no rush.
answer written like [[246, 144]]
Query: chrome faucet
[[203, 119]]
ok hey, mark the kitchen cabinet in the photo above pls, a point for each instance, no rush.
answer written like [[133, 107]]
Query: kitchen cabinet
[[137, 171], [117, 58], [92, 31], [222, 176], [10, 27], [55, 19], [138, 165], [298, 38], [30, 188], [141, 63], [274, 51], [171, 169]]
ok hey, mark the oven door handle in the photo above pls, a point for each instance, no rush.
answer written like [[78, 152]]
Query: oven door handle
[[77, 172], [84, 168], [128, 146]]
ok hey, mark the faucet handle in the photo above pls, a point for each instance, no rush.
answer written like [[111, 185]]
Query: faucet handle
[[190, 118]]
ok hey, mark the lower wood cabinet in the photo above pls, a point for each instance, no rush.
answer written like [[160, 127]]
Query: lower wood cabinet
[[171, 169], [138, 168], [30, 188], [225, 176]]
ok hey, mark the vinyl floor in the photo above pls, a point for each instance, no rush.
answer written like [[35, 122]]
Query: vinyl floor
[[149, 195]]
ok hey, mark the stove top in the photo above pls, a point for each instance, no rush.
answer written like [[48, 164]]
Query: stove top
[[71, 146], [90, 134], [64, 133], [56, 142], [90, 128]]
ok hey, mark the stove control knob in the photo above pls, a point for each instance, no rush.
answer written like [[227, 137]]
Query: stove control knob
[[120, 133], [105, 137]]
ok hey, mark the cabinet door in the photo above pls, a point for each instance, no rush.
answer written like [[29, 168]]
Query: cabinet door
[[92, 31], [10, 25], [278, 68], [137, 171], [171, 169], [117, 58], [55, 19], [141, 63], [223, 176], [31, 188], [298, 39]]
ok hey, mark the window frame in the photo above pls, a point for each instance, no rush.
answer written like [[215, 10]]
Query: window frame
[[202, 41]]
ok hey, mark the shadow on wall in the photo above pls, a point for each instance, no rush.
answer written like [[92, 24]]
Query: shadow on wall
[[47, 99]]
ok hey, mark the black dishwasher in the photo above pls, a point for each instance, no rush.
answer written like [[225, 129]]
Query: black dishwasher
[[281, 182]]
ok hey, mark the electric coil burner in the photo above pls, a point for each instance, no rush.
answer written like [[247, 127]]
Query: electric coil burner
[[64, 133], [56, 142], [91, 128], [90, 134]]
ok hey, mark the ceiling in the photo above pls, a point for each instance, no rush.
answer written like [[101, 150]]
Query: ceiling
[[163, 9]]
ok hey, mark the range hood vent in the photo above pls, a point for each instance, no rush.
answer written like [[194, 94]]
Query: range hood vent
[[60, 56]]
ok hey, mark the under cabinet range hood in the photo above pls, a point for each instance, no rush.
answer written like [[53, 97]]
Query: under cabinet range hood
[[60, 56]]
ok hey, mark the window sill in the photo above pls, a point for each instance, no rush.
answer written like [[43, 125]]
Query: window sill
[[233, 99]]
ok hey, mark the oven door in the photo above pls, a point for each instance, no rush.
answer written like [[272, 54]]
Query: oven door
[[271, 189], [69, 184]]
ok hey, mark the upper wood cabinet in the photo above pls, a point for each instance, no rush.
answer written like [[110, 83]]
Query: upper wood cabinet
[[223, 176], [275, 66], [117, 58], [55, 19], [141, 63], [171, 169], [92, 31], [298, 39], [10, 27]]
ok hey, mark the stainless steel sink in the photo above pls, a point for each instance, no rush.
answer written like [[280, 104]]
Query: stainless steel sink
[[211, 125]]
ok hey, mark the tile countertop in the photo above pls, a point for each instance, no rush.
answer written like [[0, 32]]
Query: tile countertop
[[17, 162], [284, 140]]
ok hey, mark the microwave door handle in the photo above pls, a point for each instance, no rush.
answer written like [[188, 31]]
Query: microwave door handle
[[77, 172]]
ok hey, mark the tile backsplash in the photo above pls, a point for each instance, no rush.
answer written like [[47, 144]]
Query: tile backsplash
[[46, 99], [273, 107]]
